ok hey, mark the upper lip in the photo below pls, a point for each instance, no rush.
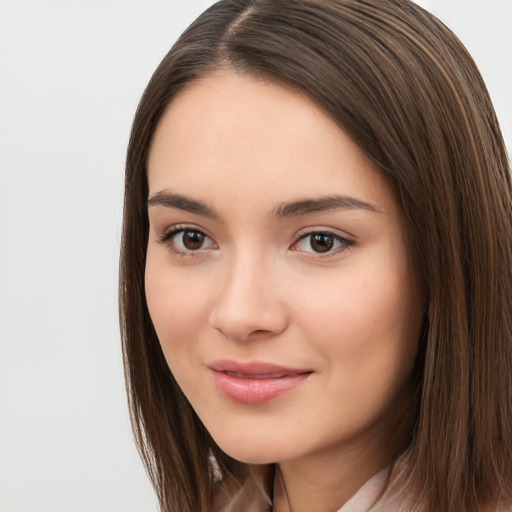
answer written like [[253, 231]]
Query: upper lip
[[254, 368]]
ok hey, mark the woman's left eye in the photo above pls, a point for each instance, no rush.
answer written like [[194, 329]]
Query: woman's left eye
[[321, 242]]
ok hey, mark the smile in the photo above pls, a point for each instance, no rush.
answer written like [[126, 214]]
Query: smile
[[255, 383]]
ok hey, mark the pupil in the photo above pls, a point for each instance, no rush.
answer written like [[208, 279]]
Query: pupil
[[193, 240], [322, 242]]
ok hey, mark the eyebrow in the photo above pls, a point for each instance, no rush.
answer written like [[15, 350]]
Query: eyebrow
[[181, 202], [291, 209], [322, 204]]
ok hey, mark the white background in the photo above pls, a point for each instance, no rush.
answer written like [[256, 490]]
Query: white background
[[71, 74]]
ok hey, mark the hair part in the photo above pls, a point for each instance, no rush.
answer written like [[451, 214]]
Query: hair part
[[405, 89]]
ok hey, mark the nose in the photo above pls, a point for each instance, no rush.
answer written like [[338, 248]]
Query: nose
[[248, 305]]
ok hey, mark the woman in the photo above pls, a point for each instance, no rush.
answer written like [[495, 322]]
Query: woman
[[316, 268]]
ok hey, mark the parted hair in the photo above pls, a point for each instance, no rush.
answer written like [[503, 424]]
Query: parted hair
[[408, 93]]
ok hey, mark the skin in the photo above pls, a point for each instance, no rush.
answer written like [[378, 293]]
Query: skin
[[257, 289]]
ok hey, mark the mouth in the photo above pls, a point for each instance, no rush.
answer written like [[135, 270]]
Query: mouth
[[257, 376], [255, 382]]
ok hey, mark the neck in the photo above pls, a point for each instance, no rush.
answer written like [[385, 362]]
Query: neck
[[296, 490], [325, 481]]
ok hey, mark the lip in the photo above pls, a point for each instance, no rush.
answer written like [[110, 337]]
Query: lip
[[255, 382]]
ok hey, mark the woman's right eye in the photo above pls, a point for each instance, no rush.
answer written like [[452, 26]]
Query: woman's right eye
[[187, 240]]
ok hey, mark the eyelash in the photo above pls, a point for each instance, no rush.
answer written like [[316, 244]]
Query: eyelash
[[169, 234]]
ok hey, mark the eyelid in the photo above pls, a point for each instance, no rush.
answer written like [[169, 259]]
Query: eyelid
[[170, 231], [325, 229]]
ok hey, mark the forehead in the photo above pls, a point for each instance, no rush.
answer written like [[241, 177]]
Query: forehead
[[230, 134]]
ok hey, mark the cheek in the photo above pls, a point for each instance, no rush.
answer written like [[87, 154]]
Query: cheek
[[367, 322], [368, 336], [350, 303], [178, 306]]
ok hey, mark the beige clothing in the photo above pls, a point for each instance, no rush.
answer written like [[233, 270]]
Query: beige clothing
[[371, 497]]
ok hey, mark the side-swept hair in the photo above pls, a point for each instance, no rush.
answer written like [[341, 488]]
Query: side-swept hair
[[408, 93]]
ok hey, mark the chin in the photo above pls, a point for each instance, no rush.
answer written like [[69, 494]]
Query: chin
[[251, 451]]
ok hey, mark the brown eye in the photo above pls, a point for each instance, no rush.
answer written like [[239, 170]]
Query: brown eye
[[185, 241], [192, 240], [321, 242]]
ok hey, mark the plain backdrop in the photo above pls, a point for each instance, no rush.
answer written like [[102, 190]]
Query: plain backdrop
[[71, 74]]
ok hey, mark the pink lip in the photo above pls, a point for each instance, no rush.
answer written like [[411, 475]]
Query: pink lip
[[255, 382]]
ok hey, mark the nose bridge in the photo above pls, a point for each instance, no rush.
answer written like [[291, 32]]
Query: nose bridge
[[247, 304]]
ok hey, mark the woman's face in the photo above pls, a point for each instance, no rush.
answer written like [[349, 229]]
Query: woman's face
[[277, 277]]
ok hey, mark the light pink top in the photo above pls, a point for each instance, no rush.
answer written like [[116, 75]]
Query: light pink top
[[367, 498], [371, 497]]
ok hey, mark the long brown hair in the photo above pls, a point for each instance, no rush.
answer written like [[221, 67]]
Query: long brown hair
[[406, 90]]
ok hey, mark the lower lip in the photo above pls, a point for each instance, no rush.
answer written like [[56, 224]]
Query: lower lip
[[256, 390]]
